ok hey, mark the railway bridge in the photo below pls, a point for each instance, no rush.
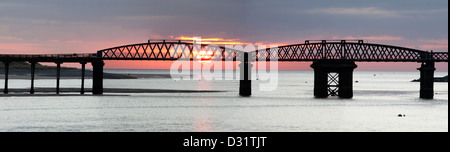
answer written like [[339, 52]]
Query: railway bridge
[[333, 61]]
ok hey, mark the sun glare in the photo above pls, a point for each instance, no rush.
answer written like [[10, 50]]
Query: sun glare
[[215, 41], [205, 56]]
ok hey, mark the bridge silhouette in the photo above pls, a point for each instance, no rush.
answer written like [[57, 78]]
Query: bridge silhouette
[[333, 61]]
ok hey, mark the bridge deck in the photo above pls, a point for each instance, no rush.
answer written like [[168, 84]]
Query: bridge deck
[[86, 57]]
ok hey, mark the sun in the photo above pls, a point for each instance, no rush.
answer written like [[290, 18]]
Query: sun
[[205, 56]]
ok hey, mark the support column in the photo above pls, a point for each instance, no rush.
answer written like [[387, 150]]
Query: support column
[[245, 83], [5, 90], [83, 73], [346, 83], [345, 70], [58, 75], [97, 77], [320, 83], [427, 80], [33, 69]]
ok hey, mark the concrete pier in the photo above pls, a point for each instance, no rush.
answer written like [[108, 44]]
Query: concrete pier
[[245, 82], [321, 80], [320, 83], [83, 74], [58, 75], [427, 80], [33, 69], [5, 90], [97, 77]]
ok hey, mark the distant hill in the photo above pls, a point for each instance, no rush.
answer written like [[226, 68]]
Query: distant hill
[[22, 70], [436, 79], [27, 66]]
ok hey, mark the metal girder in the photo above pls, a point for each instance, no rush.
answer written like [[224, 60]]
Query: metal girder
[[343, 50], [333, 84], [167, 50]]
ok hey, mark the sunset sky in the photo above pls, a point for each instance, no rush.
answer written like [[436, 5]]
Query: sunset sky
[[85, 26]]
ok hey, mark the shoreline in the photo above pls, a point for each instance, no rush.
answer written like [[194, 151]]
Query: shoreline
[[130, 76], [76, 74], [13, 92]]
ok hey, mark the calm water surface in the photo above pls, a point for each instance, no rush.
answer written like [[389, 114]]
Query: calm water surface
[[378, 98]]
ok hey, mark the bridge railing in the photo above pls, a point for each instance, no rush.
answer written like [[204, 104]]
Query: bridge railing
[[57, 56]]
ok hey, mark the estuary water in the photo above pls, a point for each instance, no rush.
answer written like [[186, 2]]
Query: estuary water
[[378, 98]]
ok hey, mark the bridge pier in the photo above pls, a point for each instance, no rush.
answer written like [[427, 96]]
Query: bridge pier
[[333, 77], [97, 77], [427, 80], [83, 73], [33, 69], [58, 75], [245, 82], [5, 90], [320, 83]]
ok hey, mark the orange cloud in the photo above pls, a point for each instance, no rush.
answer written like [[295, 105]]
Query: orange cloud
[[73, 41], [12, 38], [217, 41], [17, 48], [156, 36], [437, 41], [433, 46], [378, 38]]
